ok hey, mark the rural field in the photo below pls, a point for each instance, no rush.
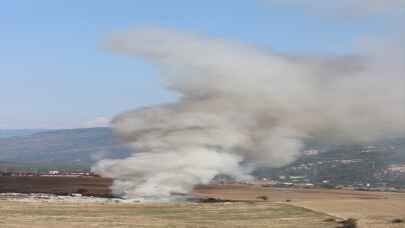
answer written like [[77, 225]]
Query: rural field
[[56, 185], [280, 207], [371, 209], [210, 215]]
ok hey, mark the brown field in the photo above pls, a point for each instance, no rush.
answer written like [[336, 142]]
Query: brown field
[[284, 207], [372, 213], [372, 209], [187, 215], [251, 192], [95, 186]]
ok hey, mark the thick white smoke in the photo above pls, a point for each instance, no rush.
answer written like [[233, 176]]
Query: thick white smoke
[[241, 107]]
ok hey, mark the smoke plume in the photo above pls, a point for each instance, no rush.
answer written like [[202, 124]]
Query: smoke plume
[[241, 107]]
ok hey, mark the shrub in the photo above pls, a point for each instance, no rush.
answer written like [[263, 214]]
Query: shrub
[[262, 197], [397, 220], [329, 220], [349, 223], [82, 191]]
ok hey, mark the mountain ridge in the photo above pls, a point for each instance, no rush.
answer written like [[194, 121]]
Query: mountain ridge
[[84, 146], [8, 133]]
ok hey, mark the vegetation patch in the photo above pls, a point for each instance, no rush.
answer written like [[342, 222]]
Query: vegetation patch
[[348, 223], [397, 220]]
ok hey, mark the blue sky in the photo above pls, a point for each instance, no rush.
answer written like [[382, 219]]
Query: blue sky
[[54, 73]]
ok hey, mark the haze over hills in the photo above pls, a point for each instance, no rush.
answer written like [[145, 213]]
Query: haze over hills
[[7, 133], [76, 147], [80, 148], [378, 164]]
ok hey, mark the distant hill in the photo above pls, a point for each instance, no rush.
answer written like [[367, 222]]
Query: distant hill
[[80, 148], [7, 133], [73, 147], [347, 164]]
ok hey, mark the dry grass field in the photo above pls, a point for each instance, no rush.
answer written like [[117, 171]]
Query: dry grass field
[[372, 209], [372, 213], [204, 215], [283, 207]]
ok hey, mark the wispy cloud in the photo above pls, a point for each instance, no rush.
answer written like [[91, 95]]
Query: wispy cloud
[[345, 8], [101, 121]]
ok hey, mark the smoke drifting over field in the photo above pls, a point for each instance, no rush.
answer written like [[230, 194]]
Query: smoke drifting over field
[[241, 107]]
